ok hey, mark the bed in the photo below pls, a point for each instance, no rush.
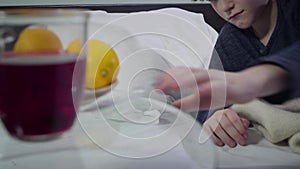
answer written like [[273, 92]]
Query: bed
[[185, 22]]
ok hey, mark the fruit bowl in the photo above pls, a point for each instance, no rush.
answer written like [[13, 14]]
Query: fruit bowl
[[90, 95]]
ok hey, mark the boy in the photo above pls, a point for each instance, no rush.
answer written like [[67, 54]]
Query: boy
[[255, 30]]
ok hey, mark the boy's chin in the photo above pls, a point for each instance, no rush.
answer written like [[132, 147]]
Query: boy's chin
[[242, 25]]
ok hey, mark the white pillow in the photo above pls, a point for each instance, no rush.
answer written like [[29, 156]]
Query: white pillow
[[181, 37]]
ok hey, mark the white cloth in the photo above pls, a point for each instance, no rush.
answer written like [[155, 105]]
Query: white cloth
[[274, 122], [184, 34], [182, 38]]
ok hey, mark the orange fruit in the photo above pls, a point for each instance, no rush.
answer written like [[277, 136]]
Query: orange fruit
[[37, 40], [102, 65]]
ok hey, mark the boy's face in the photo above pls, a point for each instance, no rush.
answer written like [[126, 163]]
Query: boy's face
[[241, 13]]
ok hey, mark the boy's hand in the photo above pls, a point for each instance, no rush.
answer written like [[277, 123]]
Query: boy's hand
[[226, 127]]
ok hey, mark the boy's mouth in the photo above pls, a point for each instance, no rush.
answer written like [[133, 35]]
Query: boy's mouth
[[235, 15]]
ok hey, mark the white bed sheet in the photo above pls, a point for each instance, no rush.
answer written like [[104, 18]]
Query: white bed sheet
[[185, 40]]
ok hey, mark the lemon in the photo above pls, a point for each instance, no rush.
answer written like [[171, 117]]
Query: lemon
[[102, 65], [37, 40], [75, 46]]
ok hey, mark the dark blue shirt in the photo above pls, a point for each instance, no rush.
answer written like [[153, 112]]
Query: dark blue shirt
[[289, 59], [240, 48], [237, 49]]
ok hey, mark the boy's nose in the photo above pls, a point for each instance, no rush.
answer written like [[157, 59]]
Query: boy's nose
[[226, 5]]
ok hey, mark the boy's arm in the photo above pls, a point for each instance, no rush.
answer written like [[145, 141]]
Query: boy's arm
[[289, 60]]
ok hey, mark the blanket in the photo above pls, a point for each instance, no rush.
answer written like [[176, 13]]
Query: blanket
[[276, 122]]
